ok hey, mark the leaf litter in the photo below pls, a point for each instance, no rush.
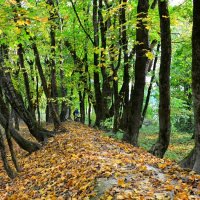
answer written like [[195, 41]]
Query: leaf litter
[[84, 164]]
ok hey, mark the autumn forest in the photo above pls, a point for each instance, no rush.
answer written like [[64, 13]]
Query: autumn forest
[[99, 99]]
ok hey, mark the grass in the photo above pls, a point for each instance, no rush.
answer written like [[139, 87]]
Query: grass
[[180, 145]]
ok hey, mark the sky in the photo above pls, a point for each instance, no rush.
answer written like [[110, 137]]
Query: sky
[[176, 2]]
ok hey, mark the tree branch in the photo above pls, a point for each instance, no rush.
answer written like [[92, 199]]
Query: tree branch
[[74, 8]]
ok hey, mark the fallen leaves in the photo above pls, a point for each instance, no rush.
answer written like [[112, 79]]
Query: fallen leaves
[[83, 165]]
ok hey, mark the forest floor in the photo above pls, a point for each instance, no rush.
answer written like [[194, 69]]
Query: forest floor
[[84, 164]]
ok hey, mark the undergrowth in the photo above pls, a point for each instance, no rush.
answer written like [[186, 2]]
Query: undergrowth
[[180, 144]]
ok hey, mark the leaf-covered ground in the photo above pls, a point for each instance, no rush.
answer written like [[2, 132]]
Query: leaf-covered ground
[[84, 164]]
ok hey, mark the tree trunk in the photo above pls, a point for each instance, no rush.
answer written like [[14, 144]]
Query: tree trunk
[[150, 86], [6, 165], [82, 105], [16, 101], [56, 120], [10, 144], [135, 111], [23, 143], [26, 80], [192, 161], [53, 16], [97, 88], [124, 93], [64, 106], [37, 100], [106, 89], [15, 118], [116, 103], [17, 104], [161, 145]]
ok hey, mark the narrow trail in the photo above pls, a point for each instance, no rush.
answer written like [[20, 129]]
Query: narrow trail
[[84, 164]]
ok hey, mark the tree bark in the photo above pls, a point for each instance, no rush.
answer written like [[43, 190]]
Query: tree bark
[[97, 87], [23, 143], [10, 144], [135, 111], [52, 63], [26, 80], [16, 101], [106, 89], [150, 86], [64, 106], [192, 161], [56, 120], [124, 93], [6, 165], [161, 145], [17, 104]]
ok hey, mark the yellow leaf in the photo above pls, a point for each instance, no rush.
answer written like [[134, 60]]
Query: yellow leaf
[[43, 19], [164, 16], [20, 22], [12, 2], [119, 197], [148, 27], [121, 183], [162, 165], [1, 31], [143, 168], [149, 55], [109, 197], [181, 195], [115, 78], [169, 187], [28, 22]]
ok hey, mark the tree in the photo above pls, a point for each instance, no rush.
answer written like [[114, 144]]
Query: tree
[[161, 145], [192, 161], [142, 46], [11, 173]]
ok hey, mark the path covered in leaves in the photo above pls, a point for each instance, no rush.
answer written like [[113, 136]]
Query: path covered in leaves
[[84, 164]]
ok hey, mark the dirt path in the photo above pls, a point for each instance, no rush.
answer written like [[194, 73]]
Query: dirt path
[[84, 164]]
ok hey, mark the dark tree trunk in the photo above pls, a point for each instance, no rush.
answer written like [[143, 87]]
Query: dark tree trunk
[[16, 119], [56, 120], [97, 87], [53, 17], [135, 111], [64, 106], [115, 108], [26, 80], [192, 161], [89, 111], [82, 106], [16, 101], [48, 113], [63, 87], [28, 146], [6, 165], [116, 105], [89, 100], [124, 93], [10, 144], [37, 100], [23, 143], [150, 62], [161, 145], [150, 86], [106, 89], [17, 104]]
